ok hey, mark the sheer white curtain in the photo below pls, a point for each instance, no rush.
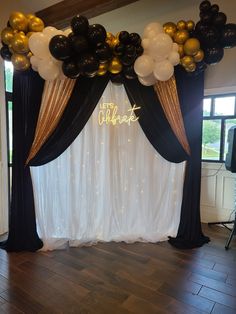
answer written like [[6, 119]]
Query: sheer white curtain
[[110, 184]]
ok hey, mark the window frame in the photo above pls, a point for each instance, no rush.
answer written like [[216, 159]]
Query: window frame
[[223, 119]]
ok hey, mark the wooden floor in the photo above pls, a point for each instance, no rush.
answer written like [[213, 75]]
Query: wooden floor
[[117, 278]]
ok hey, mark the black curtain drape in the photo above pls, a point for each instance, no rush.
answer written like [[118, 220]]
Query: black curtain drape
[[83, 100], [158, 131], [27, 94]]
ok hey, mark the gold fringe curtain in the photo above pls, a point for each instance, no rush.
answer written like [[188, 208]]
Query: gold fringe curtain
[[168, 96], [54, 100]]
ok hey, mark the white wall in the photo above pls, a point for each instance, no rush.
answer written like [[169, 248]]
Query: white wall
[[133, 18]]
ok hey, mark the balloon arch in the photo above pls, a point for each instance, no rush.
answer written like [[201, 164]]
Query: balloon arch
[[89, 50]]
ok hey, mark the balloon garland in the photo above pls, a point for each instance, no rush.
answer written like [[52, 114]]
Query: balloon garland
[[89, 50]]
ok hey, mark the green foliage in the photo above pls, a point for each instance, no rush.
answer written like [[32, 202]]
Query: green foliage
[[211, 131]]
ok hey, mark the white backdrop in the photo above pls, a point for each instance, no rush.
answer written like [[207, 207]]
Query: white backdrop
[[110, 184]]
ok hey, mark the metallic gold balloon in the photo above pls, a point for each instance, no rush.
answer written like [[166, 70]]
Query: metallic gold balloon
[[181, 36], [181, 25], [181, 51], [18, 21], [30, 16], [110, 37], [7, 35], [191, 46], [198, 57], [190, 25], [191, 67], [29, 55], [102, 70], [186, 61], [29, 34], [170, 28], [20, 43], [114, 42], [115, 66], [20, 62], [36, 25], [117, 35]]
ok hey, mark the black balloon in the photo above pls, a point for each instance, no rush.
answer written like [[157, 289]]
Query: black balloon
[[139, 51], [88, 64], [214, 9], [79, 25], [127, 60], [205, 6], [5, 53], [119, 49], [60, 47], [117, 79], [210, 37], [96, 34], [103, 52], [206, 17], [213, 55], [219, 19], [124, 37], [135, 39], [129, 72], [70, 68], [200, 27], [130, 51], [228, 36], [79, 43]]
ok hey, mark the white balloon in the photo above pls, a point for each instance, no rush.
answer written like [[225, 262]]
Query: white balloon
[[163, 70], [143, 65], [175, 47], [34, 61], [39, 45], [148, 80], [160, 45], [67, 31], [49, 30], [174, 58], [48, 70], [145, 43], [152, 29]]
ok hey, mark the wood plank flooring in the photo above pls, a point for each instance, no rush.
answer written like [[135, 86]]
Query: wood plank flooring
[[119, 278]]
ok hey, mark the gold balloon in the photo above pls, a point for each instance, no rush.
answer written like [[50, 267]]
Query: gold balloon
[[181, 25], [20, 43], [190, 25], [102, 70], [20, 62], [29, 34], [181, 36], [181, 51], [115, 66], [30, 16], [29, 54], [191, 67], [198, 57], [186, 61], [7, 35], [117, 35], [170, 28], [36, 25], [114, 42], [191, 46], [110, 37], [18, 21]]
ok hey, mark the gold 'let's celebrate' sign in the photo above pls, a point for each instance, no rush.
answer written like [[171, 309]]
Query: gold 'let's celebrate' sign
[[108, 114]]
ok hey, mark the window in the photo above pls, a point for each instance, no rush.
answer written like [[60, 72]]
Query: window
[[219, 115], [8, 92]]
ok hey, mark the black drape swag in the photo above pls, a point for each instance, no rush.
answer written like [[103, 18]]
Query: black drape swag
[[84, 98], [27, 94]]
